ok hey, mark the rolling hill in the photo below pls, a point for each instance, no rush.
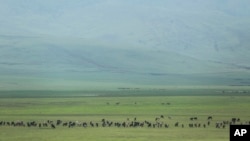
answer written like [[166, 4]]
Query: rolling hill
[[102, 44]]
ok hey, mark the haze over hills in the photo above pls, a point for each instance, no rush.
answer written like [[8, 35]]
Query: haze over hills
[[111, 43]]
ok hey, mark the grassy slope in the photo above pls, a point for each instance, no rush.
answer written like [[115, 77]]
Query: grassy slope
[[83, 44]]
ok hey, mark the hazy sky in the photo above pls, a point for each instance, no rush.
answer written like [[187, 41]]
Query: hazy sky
[[109, 18]]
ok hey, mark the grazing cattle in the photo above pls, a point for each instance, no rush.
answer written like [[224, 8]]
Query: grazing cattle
[[103, 124], [49, 121], [45, 125], [176, 124], [208, 123], [193, 118], [52, 126], [233, 120], [220, 124], [91, 124], [58, 122], [149, 125], [158, 123], [65, 124], [209, 118], [71, 124], [238, 119], [166, 125], [191, 125], [124, 124], [84, 124]]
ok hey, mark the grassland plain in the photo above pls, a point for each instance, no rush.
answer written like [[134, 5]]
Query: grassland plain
[[126, 105]]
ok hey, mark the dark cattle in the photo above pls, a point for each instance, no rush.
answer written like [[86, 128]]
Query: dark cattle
[[92, 124], [117, 124], [217, 125], [71, 124], [65, 124], [58, 122], [141, 124], [103, 124], [193, 118], [19, 123], [176, 124], [208, 123], [238, 119], [84, 124], [45, 125], [220, 124], [234, 120], [49, 121], [12, 123], [209, 118], [191, 125], [166, 125], [32, 123], [223, 126], [162, 116], [109, 123], [124, 124], [2, 123], [53, 126]]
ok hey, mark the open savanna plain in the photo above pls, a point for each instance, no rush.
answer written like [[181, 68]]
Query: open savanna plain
[[158, 107]]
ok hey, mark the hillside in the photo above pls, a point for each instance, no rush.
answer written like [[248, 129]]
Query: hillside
[[88, 44]]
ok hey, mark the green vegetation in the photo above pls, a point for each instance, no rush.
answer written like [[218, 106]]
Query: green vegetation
[[82, 107]]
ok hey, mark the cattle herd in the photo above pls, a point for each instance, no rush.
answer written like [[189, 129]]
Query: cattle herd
[[128, 123]]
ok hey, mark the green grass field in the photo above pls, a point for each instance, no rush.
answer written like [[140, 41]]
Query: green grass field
[[83, 106]]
